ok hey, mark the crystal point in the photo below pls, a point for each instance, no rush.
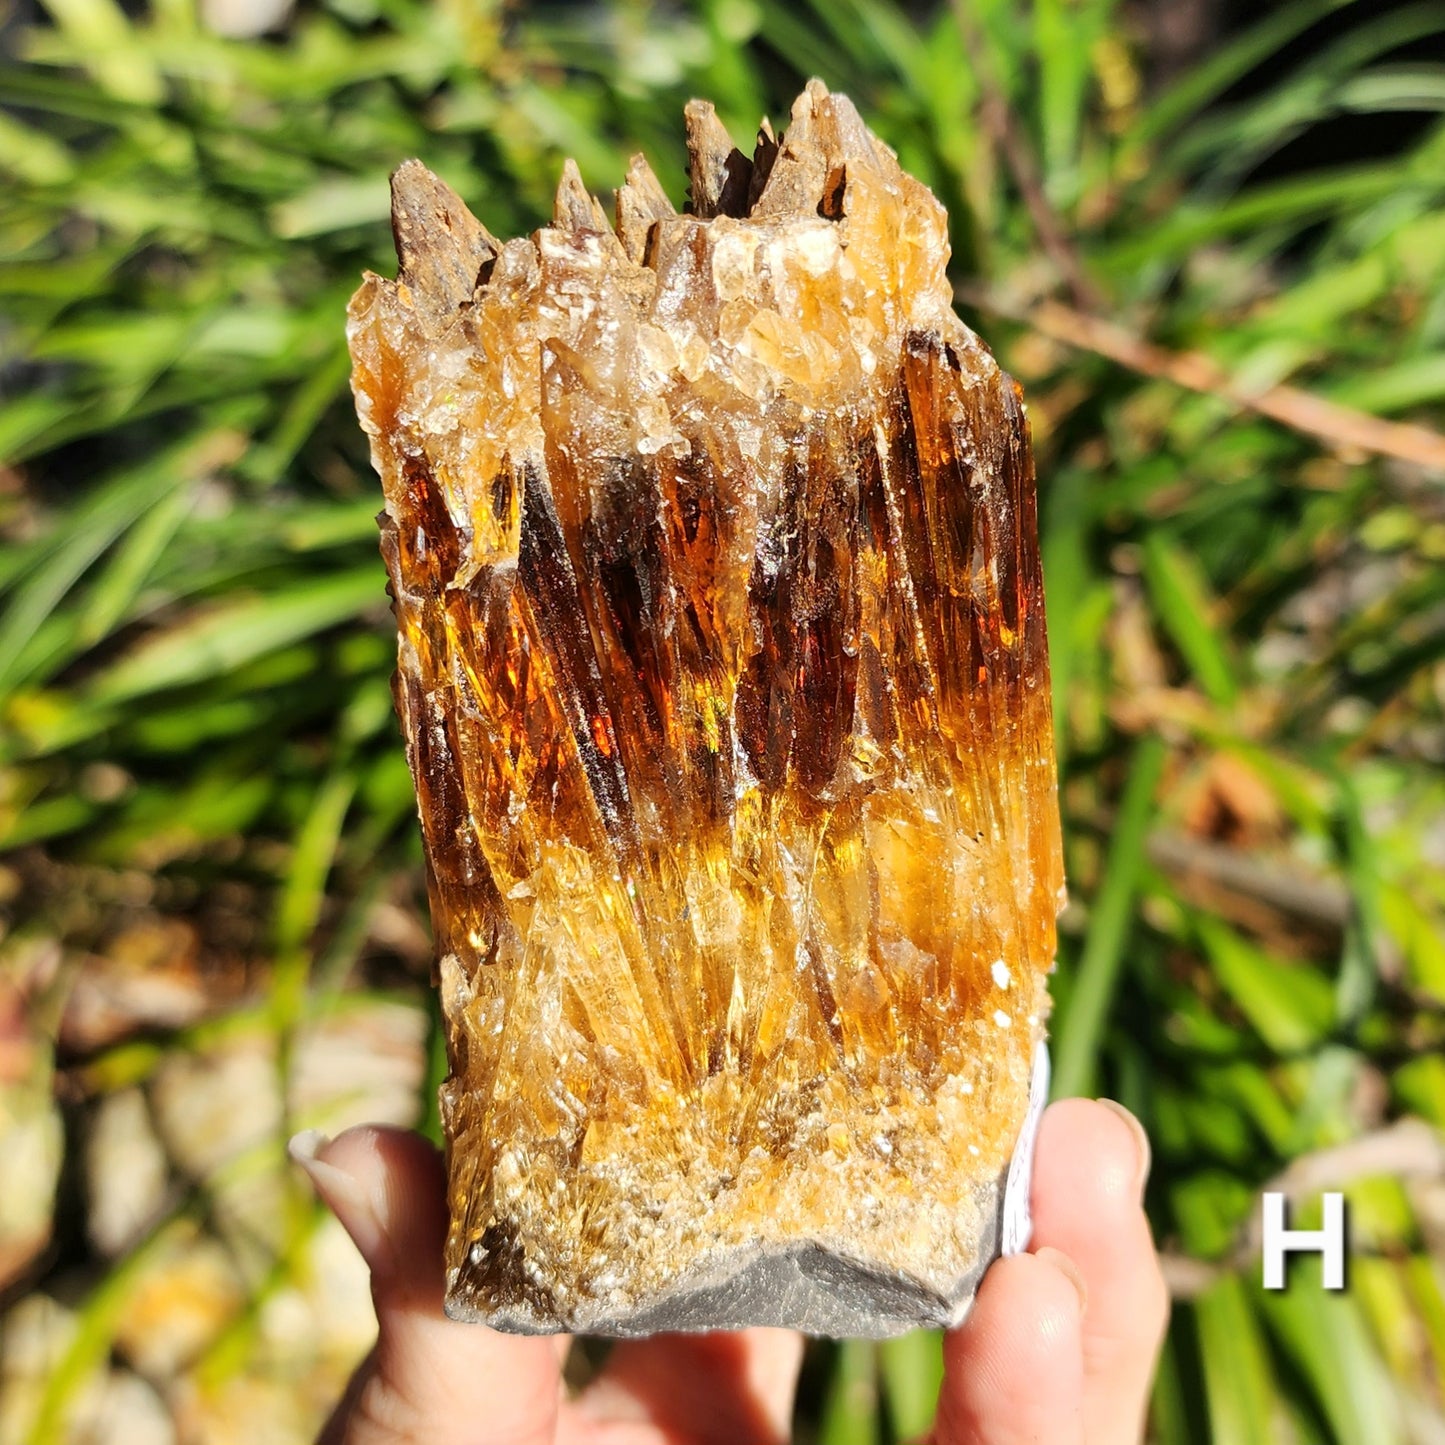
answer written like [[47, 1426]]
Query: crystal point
[[720, 175], [442, 247], [723, 678]]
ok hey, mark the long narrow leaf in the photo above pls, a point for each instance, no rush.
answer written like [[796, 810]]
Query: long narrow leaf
[[1102, 960], [228, 636], [1238, 1379]]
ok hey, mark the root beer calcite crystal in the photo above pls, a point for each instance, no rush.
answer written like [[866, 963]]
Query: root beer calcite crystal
[[723, 678]]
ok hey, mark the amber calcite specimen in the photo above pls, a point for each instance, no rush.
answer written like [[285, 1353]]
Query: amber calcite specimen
[[723, 679]]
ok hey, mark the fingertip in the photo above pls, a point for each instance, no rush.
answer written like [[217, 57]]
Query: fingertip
[[1057, 1259], [1013, 1372], [1094, 1146], [1027, 1305], [386, 1187], [306, 1145], [380, 1150], [1143, 1149], [345, 1194], [1088, 1202], [429, 1378]]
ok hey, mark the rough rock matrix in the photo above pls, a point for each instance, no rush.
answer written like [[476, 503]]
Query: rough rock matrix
[[724, 684]]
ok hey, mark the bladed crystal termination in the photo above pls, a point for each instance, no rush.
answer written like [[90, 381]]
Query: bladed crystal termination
[[724, 684]]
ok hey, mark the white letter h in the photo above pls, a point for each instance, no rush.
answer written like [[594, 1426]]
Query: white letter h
[[1279, 1241]]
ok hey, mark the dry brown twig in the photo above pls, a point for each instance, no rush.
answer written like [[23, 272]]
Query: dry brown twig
[[1341, 427], [1318, 900], [1003, 129]]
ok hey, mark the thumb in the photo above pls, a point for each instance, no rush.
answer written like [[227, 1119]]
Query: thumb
[[429, 1378]]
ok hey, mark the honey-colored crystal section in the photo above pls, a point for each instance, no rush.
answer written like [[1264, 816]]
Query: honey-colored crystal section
[[724, 685]]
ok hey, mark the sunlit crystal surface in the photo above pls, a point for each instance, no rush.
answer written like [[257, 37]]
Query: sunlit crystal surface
[[724, 683]]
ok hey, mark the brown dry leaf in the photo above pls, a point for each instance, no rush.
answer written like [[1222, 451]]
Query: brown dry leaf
[[1228, 800], [149, 976]]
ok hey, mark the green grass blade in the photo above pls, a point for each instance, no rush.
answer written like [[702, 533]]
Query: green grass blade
[[1238, 1380], [129, 569], [1359, 975], [1180, 593], [304, 893], [1171, 1419], [1290, 1006], [1191, 94], [108, 46], [1413, 381], [228, 636], [103, 518], [1286, 205], [99, 1319], [1328, 1342], [850, 1406], [1096, 979], [1322, 85], [911, 1370]]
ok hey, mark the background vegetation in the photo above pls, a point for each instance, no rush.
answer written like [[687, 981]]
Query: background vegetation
[[1222, 282]]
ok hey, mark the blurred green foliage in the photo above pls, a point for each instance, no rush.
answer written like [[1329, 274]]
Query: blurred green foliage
[[1247, 623]]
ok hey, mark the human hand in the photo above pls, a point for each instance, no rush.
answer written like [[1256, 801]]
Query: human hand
[[1059, 1347]]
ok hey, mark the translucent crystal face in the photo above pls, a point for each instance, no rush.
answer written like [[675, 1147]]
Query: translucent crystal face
[[723, 677]]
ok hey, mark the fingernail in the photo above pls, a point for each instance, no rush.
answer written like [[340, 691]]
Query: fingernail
[[1141, 1141], [1066, 1267], [344, 1196]]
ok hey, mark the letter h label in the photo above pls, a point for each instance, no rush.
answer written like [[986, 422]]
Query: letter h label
[[1280, 1241]]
